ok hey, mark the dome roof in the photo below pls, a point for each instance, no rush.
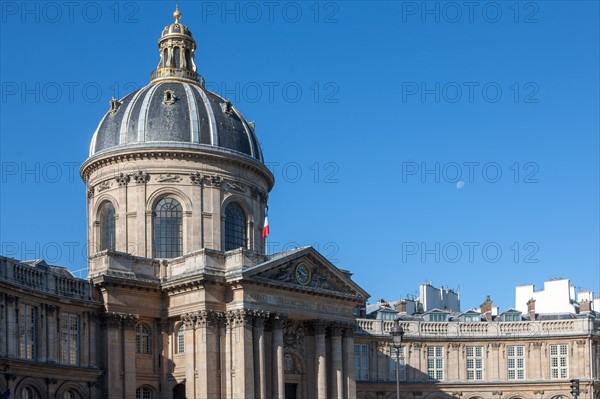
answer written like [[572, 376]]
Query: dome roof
[[171, 113], [175, 110]]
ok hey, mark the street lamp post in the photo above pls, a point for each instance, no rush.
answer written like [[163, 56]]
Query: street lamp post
[[397, 332]]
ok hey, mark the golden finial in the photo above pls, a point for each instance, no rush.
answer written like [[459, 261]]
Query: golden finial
[[176, 14]]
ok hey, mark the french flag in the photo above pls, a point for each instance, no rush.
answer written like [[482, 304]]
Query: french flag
[[266, 225]]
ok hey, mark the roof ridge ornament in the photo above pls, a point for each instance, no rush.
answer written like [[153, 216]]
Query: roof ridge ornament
[[176, 13], [176, 46]]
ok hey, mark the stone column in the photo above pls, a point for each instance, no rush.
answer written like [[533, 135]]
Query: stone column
[[42, 334], [207, 355], [337, 388], [114, 358], [52, 323], [190, 348], [277, 362], [348, 359], [12, 329], [3, 332], [260, 383], [94, 338], [241, 354], [137, 213], [309, 345], [129, 355], [166, 332], [321, 359]]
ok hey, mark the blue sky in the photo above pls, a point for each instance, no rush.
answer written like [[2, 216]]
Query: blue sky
[[410, 141]]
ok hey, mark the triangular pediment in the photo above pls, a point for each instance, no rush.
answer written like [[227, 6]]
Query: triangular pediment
[[305, 269]]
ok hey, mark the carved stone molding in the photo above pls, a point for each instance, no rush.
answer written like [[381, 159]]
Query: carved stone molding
[[239, 317], [196, 178], [51, 309], [141, 177], [293, 335], [122, 179], [166, 327], [114, 319], [90, 192], [349, 331], [105, 185], [168, 178], [206, 180], [233, 186], [201, 318], [259, 194], [335, 330], [319, 327], [213, 180]]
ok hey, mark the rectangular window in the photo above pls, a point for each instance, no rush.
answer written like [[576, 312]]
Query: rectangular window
[[397, 362], [435, 363], [474, 363], [512, 317], [559, 366], [361, 362], [439, 317], [516, 362], [27, 319], [69, 339]]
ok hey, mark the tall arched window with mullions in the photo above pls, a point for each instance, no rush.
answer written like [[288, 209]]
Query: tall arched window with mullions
[[235, 227], [107, 226], [168, 228]]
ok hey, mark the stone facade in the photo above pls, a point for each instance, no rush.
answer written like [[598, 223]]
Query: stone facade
[[481, 360]]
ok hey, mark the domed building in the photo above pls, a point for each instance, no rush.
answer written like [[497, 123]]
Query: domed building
[[182, 299]]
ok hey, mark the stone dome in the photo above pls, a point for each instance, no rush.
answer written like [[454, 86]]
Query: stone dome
[[175, 114], [175, 110]]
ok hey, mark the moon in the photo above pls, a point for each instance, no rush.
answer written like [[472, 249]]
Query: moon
[[460, 184]]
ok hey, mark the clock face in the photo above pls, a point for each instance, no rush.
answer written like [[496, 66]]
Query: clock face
[[303, 274]]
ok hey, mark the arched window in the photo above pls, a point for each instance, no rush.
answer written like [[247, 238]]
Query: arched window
[[165, 58], [168, 228], [70, 394], [176, 57], [29, 393], [188, 59], [107, 226], [143, 393], [181, 339], [235, 227], [143, 339]]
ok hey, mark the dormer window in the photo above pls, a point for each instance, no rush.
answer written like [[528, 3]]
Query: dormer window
[[227, 108], [438, 317], [512, 317], [169, 97], [114, 105]]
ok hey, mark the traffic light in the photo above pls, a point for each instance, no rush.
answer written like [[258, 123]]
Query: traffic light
[[575, 388]]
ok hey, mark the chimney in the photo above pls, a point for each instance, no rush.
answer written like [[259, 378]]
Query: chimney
[[401, 306], [585, 307], [531, 309], [486, 308]]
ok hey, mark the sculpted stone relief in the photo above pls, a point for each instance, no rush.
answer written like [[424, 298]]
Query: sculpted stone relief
[[320, 277]]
